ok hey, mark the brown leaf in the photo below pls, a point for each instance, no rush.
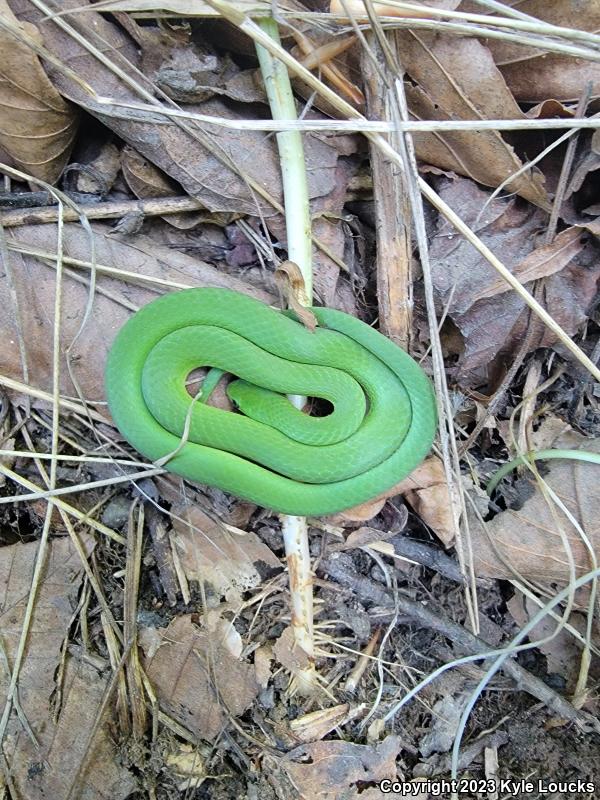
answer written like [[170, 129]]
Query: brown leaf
[[228, 562], [289, 653], [440, 736], [426, 490], [551, 75], [187, 763], [334, 770], [54, 607], [291, 285], [214, 176], [146, 180], [562, 653], [529, 537], [456, 78], [535, 75], [187, 73], [541, 262], [38, 126], [362, 537], [196, 678], [99, 170], [75, 760], [51, 770], [34, 290], [490, 320], [363, 512], [190, 73], [317, 724]]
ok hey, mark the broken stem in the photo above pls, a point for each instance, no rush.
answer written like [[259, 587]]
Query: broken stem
[[299, 242]]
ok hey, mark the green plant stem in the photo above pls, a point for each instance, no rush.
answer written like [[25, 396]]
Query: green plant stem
[[291, 157], [541, 455], [299, 243]]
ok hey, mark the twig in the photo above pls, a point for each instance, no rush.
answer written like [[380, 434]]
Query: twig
[[392, 216], [428, 555], [153, 206]]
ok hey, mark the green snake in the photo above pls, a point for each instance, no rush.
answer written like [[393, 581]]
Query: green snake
[[381, 427]]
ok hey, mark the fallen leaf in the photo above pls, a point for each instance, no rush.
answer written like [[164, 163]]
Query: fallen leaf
[[187, 765], [426, 490], [263, 656], [362, 513], [540, 263], [289, 653], [76, 759], [231, 563], [528, 538], [563, 654], [38, 127], [490, 319], [549, 432], [445, 718], [456, 78], [363, 537], [334, 770], [146, 180], [35, 286], [52, 769], [197, 680], [188, 73], [535, 75], [316, 725], [98, 172], [462, 276], [191, 73]]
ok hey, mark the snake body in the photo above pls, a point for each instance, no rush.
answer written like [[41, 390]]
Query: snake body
[[381, 427]]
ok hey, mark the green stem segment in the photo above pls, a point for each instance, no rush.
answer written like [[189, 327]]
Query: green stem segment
[[291, 156]]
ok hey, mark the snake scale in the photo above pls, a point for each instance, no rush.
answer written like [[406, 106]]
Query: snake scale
[[381, 427]]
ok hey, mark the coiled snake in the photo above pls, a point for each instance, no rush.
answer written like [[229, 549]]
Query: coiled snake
[[381, 427]]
